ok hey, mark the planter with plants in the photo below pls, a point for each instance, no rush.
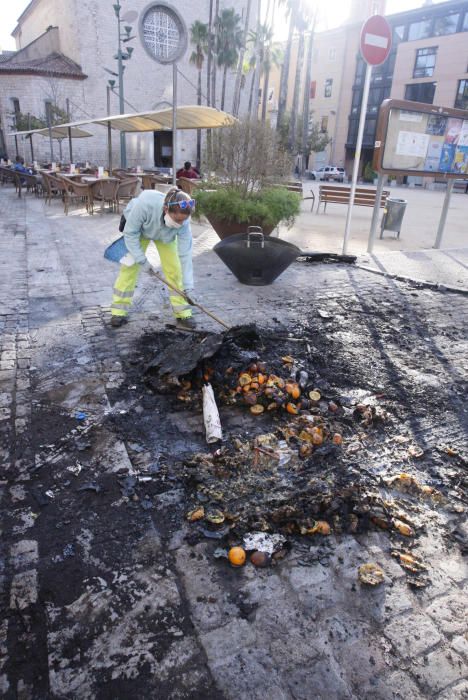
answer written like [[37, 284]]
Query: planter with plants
[[231, 211], [250, 164]]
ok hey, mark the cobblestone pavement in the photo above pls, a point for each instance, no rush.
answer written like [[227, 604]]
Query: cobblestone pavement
[[103, 596]]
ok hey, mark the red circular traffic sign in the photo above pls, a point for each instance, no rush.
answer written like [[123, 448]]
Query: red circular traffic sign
[[376, 40]]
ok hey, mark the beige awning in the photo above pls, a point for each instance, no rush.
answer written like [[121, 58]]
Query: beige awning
[[189, 117], [58, 132]]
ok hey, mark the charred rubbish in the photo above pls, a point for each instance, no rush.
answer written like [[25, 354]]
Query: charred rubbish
[[303, 466]]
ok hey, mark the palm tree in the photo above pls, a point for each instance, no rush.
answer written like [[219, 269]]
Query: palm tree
[[199, 39], [262, 62], [257, 53], [250, 66], [301, 25], [213, 39], [240, 63], [272, 56], [228, 44], [209, 54], [306, 95], [292, 7]]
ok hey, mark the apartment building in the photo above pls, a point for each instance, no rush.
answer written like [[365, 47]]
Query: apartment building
[[428, 63]]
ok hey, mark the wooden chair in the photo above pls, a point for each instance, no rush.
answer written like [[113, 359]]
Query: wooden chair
[[126, 190]]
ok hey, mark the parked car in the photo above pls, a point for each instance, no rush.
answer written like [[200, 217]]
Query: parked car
[[328, 172]]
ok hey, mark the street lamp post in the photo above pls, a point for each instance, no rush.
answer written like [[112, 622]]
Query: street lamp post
[[121, 57]]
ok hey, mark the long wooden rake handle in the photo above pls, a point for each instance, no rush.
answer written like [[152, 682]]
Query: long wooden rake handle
[[188, 299]]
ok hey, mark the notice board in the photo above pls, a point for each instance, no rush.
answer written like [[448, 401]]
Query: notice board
[[413, 138]]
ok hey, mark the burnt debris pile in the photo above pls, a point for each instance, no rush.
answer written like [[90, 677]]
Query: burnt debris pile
[[303, 463]]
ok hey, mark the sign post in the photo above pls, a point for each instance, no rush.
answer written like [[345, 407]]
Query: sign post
[[376, 42]]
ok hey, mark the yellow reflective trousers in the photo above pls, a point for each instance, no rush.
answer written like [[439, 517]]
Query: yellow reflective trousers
[[125, 283]]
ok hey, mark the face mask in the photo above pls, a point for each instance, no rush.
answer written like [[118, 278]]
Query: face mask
[[170, 223]]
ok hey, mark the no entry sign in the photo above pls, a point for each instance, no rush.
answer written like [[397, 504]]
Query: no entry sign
[[376, 40]]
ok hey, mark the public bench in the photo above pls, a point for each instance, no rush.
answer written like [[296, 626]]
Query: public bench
[[297, 186], [339, 194]]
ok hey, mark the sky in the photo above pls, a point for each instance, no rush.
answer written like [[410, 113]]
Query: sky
[[10, 10]]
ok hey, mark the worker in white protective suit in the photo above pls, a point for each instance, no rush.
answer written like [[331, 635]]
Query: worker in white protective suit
[[165, 220]]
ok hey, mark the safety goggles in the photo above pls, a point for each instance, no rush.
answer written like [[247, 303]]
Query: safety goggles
[[183, 204]]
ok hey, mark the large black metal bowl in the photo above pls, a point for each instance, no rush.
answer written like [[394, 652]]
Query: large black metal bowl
[[254, 259]]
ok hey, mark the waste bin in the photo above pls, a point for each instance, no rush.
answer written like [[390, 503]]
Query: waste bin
[[393, 215]]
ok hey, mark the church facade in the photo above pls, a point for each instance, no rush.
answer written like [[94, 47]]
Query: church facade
[[66, 54]]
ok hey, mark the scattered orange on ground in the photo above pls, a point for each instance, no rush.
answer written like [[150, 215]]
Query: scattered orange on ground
[[237, 556]]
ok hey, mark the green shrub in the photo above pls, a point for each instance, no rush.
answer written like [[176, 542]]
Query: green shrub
[[270, 205]]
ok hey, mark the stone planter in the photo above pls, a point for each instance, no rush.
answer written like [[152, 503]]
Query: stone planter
[[229, 228]]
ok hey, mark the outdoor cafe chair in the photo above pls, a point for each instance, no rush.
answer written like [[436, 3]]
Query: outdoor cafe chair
[[79, 191], [32, 183], [50, 189], [126, 190], [10, 175], [7, 175], [105, 191], [120, 173], [59, 187], [148, 181], [187, 185]]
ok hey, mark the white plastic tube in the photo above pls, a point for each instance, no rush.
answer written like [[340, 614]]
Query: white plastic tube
[[211, 416]]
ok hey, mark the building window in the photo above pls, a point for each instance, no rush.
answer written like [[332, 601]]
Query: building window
[[324, 125], [352, 132], [313, 88], [465, 23], [419, 30], [15, 105], [332, 54], [425, 62], [376, 96], [420, 92], [368, 136], [446, 25], [328, 87], [461, 100], [398, 34]]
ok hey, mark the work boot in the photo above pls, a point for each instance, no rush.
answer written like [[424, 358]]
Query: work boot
[[187, 324], [117, 321]]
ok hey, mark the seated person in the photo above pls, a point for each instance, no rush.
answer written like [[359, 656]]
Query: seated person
[[19, 166], [188, 171]]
